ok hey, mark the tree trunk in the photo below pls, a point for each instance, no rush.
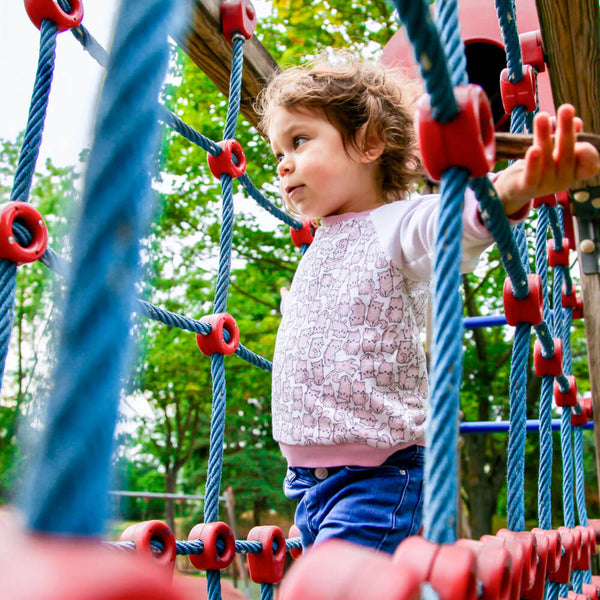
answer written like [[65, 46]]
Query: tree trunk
[[170, 486]]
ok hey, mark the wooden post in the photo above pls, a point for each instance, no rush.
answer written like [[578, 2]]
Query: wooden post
[[203, 41], [571, 42]]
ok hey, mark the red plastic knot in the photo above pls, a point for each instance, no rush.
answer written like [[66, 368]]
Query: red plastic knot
[[536, 592], [340, 570], [529, 309], [551, 365], [568, 398], [528, 542], [563, 573], [294, 552], [584, 557], [214, 341], [532, 51], [267, 565], [550, 200], [558, 257], [35, 224], [554, 547], [493, 569], [593, 541], [144, 534], [304, 235], [563, 201], [466, 141], [517, 555], [449, 569], [581, 418], [518, 93], [569, 300], [211, 558], [38, 10], [224, 163], [237, 16], [591, 591]]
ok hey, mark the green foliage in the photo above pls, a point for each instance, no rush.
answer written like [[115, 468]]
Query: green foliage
[[52, 191]]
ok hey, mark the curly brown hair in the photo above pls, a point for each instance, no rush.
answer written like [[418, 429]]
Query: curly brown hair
[[355, 95]]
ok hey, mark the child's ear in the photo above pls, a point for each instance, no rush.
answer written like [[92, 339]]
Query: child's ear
[[371, 144]]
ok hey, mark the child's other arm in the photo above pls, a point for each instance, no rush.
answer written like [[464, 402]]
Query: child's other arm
[[549, 166]]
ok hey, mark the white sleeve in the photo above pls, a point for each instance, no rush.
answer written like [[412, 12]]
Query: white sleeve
[[407, 231]]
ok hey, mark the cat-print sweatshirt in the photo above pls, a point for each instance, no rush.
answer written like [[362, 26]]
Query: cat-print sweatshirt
[[349, 368]]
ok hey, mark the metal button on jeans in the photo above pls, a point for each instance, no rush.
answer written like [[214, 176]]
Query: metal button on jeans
[[321, 473]]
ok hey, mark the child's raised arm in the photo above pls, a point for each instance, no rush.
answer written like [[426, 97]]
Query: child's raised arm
[[550, 165]]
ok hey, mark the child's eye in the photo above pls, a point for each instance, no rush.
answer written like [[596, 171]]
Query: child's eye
[[299, 140], [279, 157]]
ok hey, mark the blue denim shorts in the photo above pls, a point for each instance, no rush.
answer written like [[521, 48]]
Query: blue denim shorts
[[376, 507]]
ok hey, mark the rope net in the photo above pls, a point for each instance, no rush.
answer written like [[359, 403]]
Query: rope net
[[76, 443]]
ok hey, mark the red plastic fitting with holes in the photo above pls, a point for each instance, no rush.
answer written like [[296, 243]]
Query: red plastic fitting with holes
[[466, 141], [294, 552], [529, 309], [238, 16], [529, 544], [554, 547], [536, 592], [214, 341], [10, 249], [493, 569], [563, 573], [304, 235], [578, 310], [579, 419], [558, 257], [211, 558], [518, 93], [453, 573], [143, 534], [548, 366], [591, 591], [517, 555], [550, 200], [568, 398], [583, 559], [223, 163], [416, 554], [38, 10], [532, 51], [267, 565], [569, 300], [593, 543]]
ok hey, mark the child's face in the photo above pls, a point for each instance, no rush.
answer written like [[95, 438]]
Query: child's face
[[318, 176]]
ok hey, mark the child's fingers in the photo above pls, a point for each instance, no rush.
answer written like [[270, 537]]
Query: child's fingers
[[542, 135], [564, 153], [532, 173]]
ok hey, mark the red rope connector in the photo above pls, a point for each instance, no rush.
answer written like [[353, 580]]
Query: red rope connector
[[143, 534], [586, 414], [10, 249], [558, 257], [591, 591], [238, 16], [38, 10], [536, 592], [449, 569], [304, 235], [294, 532], [528, 542], [517, 555], [554, 547], [548, 366], [224, 163], [518, 93], [526, 310], [214, 341], [568, 398], [562, 199], [550, 200], [466, 141], [584, 557], [572, 301], [493, 569], [563, 573], [211, 558], [532, 51], [267, 565]]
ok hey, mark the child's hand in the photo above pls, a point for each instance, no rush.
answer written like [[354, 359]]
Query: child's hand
[[549, 166]]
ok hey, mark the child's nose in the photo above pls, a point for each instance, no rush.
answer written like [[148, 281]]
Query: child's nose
[[285, 166]]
